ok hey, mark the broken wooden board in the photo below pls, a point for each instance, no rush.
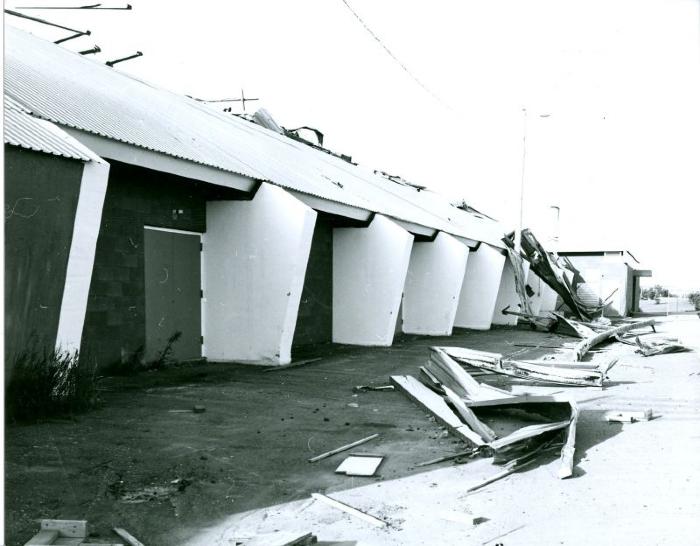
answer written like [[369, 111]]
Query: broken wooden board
[[467, 415], [360, 465], [342, 448], [436, 406], [349, 510], [128, 537], [42, 538], [585, 345], [66, 527]]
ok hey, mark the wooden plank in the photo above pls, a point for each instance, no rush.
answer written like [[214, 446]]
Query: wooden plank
[[435, 405], [66, 527], [342, 448], [628, 416], [292, 365], [349, 510], [128, 537], [469, 453], [585, 345], [42, 538], [486, 434]]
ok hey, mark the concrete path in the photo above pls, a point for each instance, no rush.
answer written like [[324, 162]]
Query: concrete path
[[633, 484]]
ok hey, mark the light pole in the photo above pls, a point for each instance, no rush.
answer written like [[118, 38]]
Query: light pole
[[518, 233]]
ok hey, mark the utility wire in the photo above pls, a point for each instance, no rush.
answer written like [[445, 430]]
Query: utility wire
[[396, 59]]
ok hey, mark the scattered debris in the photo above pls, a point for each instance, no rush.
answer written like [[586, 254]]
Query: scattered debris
[[365, 388], [467, 454], [584, 346], [360, 465], [128, 537], [342, 448], [556, 419], [544, 371], [628, 416], [563, 281], [155, 492], [349, 510], [659, 346]]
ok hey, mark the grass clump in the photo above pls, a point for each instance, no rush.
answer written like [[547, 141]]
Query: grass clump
[[49, 383]]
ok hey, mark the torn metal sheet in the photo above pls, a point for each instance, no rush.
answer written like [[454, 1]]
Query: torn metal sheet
[[539, 420], [585, 345], [651, 347], [555, 277], [544, 371]]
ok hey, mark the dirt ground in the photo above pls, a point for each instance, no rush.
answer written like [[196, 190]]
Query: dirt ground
[[240, 468]]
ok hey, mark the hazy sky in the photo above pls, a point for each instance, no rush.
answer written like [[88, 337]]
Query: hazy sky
[[618, 82]]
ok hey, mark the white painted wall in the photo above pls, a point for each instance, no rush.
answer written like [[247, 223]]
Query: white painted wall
[[507, 295], [480, 288], [538, 287], [254, 262], [81, 258], [369, 270], [433, 283]]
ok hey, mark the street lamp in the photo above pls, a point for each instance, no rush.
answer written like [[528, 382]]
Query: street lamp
[[522, 177]]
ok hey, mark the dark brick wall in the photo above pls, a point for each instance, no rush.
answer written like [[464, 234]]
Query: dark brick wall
[[115, 322], [41, 195], [314, 322]]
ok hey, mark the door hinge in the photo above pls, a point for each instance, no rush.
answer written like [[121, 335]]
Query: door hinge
[[201, 294], [201, 340], [201, 246]]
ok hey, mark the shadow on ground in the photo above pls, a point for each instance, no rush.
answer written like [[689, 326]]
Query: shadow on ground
[[144, 462]]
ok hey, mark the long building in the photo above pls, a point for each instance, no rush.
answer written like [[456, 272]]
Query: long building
[[162, 218]]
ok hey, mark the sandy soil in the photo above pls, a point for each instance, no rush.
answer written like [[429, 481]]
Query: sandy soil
[[240, 468]]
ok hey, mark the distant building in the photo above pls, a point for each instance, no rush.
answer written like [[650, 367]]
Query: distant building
[[611, 276]]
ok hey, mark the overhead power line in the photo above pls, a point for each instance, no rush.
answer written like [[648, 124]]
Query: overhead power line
[[90, 6], [396, 59]]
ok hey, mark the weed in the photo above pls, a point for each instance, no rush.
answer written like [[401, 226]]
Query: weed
[[48, 383]]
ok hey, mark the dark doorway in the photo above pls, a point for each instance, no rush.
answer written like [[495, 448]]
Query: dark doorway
[[173, 293]]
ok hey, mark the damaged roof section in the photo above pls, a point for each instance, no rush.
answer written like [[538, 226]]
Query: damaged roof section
[[26, 131], [73, 91]]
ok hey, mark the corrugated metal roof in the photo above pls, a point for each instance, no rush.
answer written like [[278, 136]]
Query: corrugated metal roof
[[72, 90], [25, 131]]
